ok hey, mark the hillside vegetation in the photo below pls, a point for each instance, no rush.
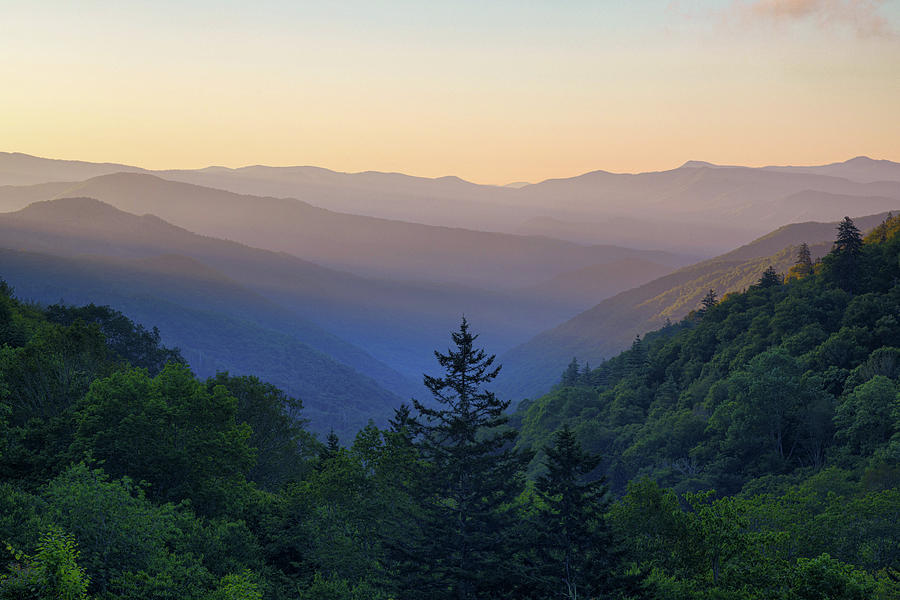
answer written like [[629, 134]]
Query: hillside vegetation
[[784, 398], [610, 326]]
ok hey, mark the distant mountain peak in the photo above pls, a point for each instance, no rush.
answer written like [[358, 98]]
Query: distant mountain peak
[[697, 164], [92, 214], [127, 176]]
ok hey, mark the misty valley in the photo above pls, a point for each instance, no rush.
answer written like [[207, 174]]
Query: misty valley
[[297, 383]]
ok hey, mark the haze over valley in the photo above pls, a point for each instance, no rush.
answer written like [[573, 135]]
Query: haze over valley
[[358, 292]]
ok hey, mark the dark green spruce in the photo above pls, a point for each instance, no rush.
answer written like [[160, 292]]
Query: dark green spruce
[[577, 556], [470, 479]]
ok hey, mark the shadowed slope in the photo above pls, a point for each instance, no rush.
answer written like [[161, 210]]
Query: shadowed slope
[[84, 226], [365, 245], [217, 325], [394, 321]]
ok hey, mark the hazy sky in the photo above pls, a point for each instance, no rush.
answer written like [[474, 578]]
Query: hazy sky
[[492, 91]]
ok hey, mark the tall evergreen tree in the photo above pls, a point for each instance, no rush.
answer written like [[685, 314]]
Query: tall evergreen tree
[[571, 374], [849, 239], [636, 360], [803, 266], [846, 254], [334, 445], [577, 555], [709, 300], [585, 377], [470, 477], [400, 423], [770, 278], [331, 448]]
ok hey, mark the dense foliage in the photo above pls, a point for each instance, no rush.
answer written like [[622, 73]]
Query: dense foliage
[[750, 451], [785, 400]]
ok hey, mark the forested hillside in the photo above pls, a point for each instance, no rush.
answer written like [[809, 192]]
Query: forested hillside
[[609, 327], [751, 453], [785, 398]]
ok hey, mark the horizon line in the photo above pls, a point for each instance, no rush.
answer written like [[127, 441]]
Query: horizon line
[[691, 163]]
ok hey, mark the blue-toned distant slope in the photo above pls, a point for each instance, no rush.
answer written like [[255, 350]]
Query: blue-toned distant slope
[[218, 325], [395, 321]]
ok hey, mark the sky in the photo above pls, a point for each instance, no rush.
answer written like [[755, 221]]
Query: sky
[[491, 91]]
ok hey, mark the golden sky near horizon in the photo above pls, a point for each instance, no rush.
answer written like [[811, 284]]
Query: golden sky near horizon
[[491, 92]]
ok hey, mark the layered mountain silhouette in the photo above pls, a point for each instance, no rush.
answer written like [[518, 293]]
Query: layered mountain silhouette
[[701, 198], [361, 274], [23, 169], [364, 245], [861, 168], [333, 312], [708, 208]]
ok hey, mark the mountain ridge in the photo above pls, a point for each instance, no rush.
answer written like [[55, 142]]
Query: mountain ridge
[[392, 321], [716, 206], [367, 246]]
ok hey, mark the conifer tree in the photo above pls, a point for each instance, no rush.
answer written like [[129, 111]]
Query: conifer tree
[[636, 360], [331, 448], [770, 278], [585, 376], [709, 300], [577, 555], [803, 266], [846, 254], [570, 375], [400, 424], [469, 478], [849, 239]]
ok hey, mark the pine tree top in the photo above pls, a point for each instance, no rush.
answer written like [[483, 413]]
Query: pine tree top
[[709, 300], [849, 240], [566, 461], [770, 278], [464, 408], [803, 266]]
